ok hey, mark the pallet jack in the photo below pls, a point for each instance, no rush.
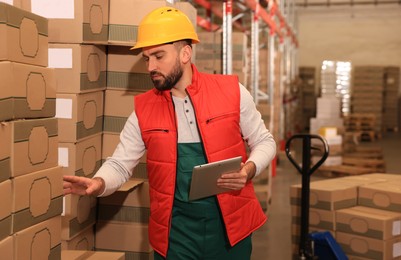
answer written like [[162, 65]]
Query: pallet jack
[[316, 245]]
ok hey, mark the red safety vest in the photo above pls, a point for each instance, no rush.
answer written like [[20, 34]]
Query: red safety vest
[[216, 100]]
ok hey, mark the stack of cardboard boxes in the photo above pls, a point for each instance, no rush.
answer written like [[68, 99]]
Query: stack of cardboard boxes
[[30, 178], [363, 213], [391, 108], [77, 30]]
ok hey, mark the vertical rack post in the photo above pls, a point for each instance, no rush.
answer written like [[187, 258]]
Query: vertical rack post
[[227, 37]]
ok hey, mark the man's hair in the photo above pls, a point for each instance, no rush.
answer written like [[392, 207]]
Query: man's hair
[[181, 43]]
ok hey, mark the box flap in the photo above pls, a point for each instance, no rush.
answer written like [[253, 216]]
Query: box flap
[[130, 184]]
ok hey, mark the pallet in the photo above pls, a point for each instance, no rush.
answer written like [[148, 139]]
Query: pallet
[[378, 165], [368, 149], [364, 155], [344, 170]]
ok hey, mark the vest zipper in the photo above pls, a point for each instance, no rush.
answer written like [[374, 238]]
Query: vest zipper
[[212, 119], [176, 159], [157, 130], [197, 126]]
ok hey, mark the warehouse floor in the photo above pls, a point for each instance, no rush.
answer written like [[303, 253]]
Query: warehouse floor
[[273, 240]]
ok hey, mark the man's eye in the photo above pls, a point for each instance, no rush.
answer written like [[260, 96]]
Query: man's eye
[[159, 57]]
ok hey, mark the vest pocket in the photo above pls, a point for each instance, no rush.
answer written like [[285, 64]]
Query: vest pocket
[[221, 117]]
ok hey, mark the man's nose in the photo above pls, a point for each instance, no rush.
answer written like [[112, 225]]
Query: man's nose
[[151, 65]]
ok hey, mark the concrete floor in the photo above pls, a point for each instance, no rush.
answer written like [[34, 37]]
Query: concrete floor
[[273, 240]]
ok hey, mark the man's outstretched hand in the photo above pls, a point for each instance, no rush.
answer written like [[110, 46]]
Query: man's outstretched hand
[[82, 185]]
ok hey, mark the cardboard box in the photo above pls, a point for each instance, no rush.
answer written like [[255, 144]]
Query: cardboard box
[[115, 117], [5, 151], [78, 68], [6, 99], [34, 145], [384, 195], [131, 203], [24, 36], [327, 195], [36, 197], [80, 115], [33, 91], [125, 16], [318, 218], [79, 213], [16, 3], [73, 21], [127, 237], [331, 160], [91, 255], [41, 241], [369, 222], [85, 240], [368, 247], [82, 158], [126, 70], [6, 248], [5, 209]]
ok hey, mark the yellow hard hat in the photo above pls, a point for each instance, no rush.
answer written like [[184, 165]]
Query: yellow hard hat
[[163, 25]]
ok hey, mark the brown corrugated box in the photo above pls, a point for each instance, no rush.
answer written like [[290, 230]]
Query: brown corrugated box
[[85, 240], [5, 151], [368, 247], [6, 98], [5, 209], [130, 203], [79, 213], [36, 196], [127, 237], [126, 70], [318, 218], [78, 68], [41, 241], [80, 115], [327, 195], [33, 91], [335, 193], [384, 195], [125, 16], [24, 36], [369, 222], [91, 255], [82, 158], [34, 145], [115, 117], [16, 3], [75, 21], [6, 248]]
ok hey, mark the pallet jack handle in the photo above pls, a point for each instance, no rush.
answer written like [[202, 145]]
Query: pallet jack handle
[[306, 170]]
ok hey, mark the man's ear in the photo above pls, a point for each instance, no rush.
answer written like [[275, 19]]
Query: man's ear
[[186, 54]]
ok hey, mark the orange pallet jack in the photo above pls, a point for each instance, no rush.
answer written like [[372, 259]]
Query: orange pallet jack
[[314, 245]]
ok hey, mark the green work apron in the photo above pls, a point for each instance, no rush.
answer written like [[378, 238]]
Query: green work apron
[[197, 229]]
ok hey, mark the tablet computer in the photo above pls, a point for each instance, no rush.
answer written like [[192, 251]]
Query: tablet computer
[[204, 177]]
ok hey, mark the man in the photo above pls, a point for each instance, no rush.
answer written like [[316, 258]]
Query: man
[[189, 118]]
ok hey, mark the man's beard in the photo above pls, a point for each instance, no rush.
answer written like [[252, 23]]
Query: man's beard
[[169, 81]]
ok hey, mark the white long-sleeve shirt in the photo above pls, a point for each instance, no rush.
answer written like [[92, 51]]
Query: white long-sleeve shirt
[[118, 168]]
